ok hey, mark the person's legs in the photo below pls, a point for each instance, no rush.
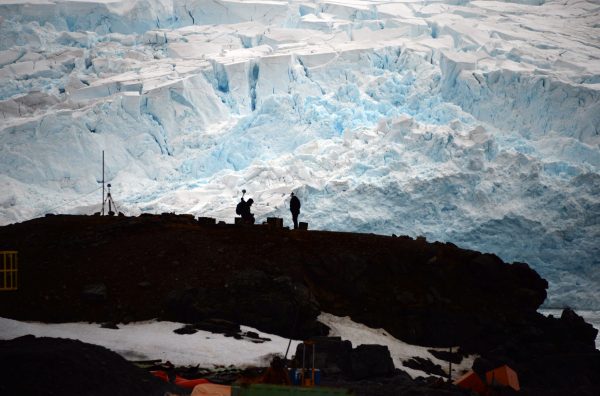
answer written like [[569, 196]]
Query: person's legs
[[295, 218]]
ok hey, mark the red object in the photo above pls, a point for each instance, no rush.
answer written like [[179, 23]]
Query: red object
[[472, 382], [503, 376], [180, 381], [160, 374], [190, 383]]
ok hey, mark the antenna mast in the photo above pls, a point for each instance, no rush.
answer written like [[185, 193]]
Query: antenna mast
[[102, 182]]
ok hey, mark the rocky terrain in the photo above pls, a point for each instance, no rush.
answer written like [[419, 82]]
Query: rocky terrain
[[122, 269], [51, 366]]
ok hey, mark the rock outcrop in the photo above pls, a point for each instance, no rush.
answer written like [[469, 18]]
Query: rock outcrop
[[113, 270], [335, 357], [47, 366]]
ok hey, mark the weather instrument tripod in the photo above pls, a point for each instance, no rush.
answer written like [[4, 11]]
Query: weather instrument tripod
[[110, 201]]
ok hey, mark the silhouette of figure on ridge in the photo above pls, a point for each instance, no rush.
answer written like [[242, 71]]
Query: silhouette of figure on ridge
[[243, 209], [295, 209]]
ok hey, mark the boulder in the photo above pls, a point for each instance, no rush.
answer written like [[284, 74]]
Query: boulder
[[274, 305], [109, 325], [218, 326], [94, 293], [425, 365], [453, 357], [58, 366], [371, 361], [333, 357], [187, 329], [579, 330]]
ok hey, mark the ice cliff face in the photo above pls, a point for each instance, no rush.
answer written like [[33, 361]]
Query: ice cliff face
[[475, 122]]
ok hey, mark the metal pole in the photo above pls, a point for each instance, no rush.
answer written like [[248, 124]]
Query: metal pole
[[303, 361], [450, 367], [12, 265], [102, 182], [313, 365]]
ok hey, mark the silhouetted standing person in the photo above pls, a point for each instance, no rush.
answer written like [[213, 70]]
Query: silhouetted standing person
[[295, 209], [240, 206]]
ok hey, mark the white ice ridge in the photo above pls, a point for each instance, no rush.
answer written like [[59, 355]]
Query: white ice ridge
[[475, 122]]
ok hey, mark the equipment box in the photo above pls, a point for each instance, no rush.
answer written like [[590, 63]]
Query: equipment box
[[296, 376]]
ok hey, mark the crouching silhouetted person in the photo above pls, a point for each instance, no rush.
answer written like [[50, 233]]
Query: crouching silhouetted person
[[243, 209], [247, 216], [295, 209]]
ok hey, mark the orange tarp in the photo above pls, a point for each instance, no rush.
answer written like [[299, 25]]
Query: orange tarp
[[471, 381], [504, 376], [211, 390]]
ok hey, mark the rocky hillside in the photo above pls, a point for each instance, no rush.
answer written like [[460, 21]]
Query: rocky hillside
[[124, 269]]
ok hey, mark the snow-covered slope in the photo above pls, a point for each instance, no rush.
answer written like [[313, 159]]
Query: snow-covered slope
[[156, 340], [476, 122]]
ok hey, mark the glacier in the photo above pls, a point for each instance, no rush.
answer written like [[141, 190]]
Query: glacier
[[472, 122]]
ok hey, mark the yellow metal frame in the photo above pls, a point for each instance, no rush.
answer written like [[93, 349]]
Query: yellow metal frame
[[304, 379], [9, 272]]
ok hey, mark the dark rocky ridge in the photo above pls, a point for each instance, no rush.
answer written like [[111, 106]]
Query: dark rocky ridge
[[123, 269]]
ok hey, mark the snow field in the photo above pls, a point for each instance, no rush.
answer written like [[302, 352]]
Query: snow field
[[156, 340]]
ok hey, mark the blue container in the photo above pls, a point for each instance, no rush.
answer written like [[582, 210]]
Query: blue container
[[296, 375], [317, 377]]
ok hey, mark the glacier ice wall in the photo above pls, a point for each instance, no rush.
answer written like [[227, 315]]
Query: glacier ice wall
[[475, 122]]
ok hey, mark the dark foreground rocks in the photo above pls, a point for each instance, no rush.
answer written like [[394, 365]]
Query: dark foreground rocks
[[31, 366], [552, 356], [113, 270], [398, 384], [337, 358], [54, 366]]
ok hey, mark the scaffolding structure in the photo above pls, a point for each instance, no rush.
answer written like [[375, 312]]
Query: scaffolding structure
[[9, 271]]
